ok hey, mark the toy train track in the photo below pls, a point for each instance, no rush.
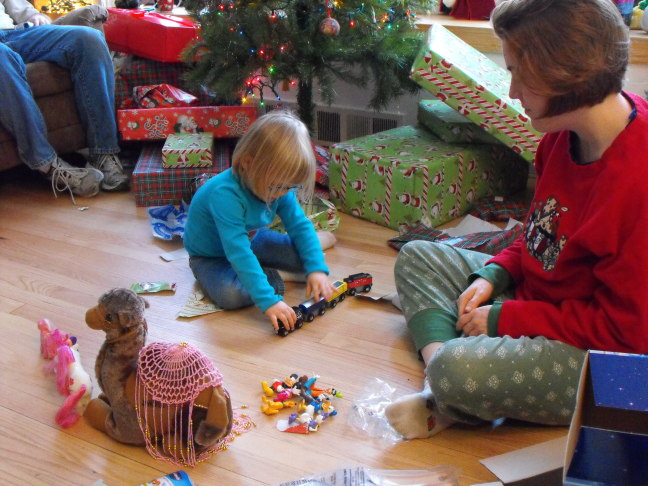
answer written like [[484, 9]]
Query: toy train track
[[306, 311]]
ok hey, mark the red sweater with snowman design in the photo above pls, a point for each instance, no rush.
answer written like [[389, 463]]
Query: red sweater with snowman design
[[580, 268]]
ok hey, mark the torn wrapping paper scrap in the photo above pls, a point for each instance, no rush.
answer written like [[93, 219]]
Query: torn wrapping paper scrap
[[152, 287], [198, 305], [168, 221]]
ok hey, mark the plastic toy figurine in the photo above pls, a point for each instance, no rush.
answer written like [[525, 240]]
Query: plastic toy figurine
[[72, 380], [313, 404], [307, 310]]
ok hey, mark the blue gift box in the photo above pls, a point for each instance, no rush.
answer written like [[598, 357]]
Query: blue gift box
[[608, 436]]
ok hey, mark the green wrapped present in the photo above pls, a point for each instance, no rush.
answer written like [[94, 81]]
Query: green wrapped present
[[188, 150], [407, 176], [476, 87], [450, 125], [321, 212]]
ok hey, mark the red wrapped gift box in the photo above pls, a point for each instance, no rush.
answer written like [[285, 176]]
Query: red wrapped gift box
[[153, 185], [160, 37], [158, 123]]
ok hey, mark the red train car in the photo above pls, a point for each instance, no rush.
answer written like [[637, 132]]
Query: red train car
[[361, 282]]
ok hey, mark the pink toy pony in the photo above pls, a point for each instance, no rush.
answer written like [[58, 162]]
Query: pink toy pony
[[72, 380]]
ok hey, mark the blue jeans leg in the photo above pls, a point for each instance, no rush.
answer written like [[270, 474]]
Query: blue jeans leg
[[81, 50], [20, 114], [220, 282], [276, 250]]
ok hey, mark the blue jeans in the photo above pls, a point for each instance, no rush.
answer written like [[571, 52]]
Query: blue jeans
[[221, 284], [81, 50]]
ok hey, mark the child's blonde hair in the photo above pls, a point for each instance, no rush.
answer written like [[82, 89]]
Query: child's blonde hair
[[276, 154]]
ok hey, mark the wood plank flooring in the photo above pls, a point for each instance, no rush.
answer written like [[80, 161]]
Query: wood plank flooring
[[56, 260]]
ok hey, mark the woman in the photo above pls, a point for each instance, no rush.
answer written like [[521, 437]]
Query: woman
[[512, 343]]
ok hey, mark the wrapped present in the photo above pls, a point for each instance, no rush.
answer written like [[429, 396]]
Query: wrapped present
[[450, 125], [153, 185], [161, 37], [160, 95], [406, 176], [188, 150], [471, 83], [159, 123]]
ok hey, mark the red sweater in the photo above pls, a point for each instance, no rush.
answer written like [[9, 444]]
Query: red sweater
[[581, 266]]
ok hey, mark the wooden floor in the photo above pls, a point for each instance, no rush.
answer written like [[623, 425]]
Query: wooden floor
[[56, 260]]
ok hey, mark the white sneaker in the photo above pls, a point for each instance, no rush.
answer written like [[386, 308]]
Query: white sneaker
[[115, 179], [76, 180]]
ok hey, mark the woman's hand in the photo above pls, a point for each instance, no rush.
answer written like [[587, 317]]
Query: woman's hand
[[480, 291], [283, 312], [475, 322], [318, 286]]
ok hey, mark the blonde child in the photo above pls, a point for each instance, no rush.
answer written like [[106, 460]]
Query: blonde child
[[272, 163]]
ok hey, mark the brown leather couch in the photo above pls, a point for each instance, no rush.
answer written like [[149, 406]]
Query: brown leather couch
[[53, 91]]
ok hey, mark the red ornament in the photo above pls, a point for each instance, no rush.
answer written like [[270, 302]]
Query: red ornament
[[330, 26]]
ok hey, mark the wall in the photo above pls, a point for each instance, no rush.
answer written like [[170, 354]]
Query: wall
[[349, 96]]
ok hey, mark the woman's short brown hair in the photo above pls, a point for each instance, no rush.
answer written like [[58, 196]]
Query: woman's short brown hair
[[573, 51]]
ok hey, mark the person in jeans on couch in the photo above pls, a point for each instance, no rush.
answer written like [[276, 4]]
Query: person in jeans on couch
[[27, 36]]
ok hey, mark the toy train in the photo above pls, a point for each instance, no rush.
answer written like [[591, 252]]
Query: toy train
[[306, 311]]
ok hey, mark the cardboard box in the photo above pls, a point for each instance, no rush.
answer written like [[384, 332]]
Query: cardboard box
[[153, 185], [608, 435], [450, 125], [406, 176], [188, 150], [159, 123], [160, 37], [607, 443], [472, 84]]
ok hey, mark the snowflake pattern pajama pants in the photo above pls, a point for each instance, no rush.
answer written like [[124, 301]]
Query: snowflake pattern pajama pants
[[480, 378]]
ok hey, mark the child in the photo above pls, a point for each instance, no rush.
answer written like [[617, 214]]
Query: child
[[512, 343], [271, 164]]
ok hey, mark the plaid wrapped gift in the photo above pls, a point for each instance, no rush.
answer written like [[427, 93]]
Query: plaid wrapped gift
[[489, 242], [499, 209], [321, 159], [188, 150], [153, 185], [405, 176], [145, 72], [471, 83]]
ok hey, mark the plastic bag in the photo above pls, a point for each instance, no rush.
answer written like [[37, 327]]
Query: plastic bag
[[361, 476], [368, 411], [321, 212]]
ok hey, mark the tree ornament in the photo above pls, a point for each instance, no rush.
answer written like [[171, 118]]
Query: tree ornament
[[329, 26]]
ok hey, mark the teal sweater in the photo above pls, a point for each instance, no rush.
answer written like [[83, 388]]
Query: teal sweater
[[221, 215]]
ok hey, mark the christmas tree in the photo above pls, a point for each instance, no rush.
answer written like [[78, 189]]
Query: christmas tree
[[249, 47]]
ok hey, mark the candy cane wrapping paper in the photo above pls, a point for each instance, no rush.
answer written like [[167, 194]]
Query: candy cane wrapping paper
[[471, 83], [404, 176]]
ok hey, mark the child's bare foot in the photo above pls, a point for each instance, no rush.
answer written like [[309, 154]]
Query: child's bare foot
[[326, 239], [412, 418]]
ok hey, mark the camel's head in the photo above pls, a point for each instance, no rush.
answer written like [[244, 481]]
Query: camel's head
[[117, 310]]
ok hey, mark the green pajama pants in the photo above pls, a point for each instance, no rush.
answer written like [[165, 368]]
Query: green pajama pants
[[480, 378]]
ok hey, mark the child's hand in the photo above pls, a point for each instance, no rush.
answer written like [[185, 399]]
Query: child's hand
[[318, 286], [282, 312]]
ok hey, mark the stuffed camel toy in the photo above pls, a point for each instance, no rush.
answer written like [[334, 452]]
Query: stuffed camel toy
[[165, 396]]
